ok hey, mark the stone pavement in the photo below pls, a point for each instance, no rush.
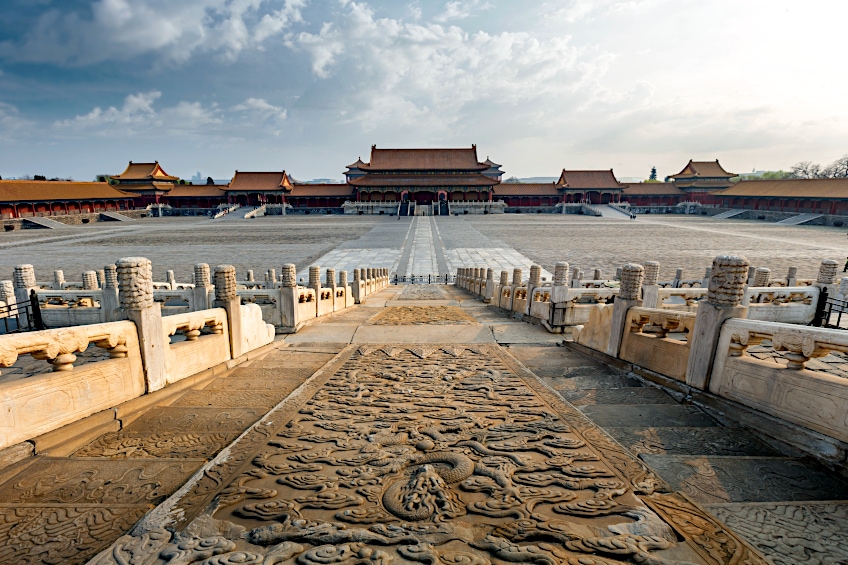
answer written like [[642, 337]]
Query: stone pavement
[[424, 246], [420, 427]]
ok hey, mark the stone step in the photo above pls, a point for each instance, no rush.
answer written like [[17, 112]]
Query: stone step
[[628, 395], [646, 415], [580, 378], [791, 532], [690, 441], [718, 479]]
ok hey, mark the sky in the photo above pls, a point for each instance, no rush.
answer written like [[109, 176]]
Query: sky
[[308, 86]]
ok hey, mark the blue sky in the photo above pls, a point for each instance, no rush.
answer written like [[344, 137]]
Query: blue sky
[[309, 85]]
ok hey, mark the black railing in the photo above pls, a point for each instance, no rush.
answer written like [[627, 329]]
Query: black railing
[[424, 279], [21, 317], [831, 312]]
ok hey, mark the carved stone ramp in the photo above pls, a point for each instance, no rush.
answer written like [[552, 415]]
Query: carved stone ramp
[[44, 223], [739, 478], [85, 491]]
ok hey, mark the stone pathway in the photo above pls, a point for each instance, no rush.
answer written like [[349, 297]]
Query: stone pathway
[[424, 246], [419, 427], [791, 509]]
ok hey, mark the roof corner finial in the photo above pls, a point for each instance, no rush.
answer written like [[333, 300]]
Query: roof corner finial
[[373, 146], [473, 146], [130, 161]]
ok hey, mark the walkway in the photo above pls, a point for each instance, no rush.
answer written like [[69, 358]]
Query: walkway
[[431, 245], [411, 430]]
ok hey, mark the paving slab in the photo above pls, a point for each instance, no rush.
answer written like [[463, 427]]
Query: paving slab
[[646, 415], [581, 378], [520, 332], [690, 441], [263, 399], [424, 334], [332, 332], [167, 445], [162, 419], [791, 533], [629, 395], [716, 479]]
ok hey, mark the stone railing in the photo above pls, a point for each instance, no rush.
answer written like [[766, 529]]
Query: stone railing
[[658, 340], [793, 386], [33, 405], [257, 212], [196, 341], [791, 305]]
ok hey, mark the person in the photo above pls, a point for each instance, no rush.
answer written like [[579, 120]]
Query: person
[[845, 268]]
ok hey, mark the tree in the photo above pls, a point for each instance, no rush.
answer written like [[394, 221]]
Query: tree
[[837, 170], [776, 175], [512, 180], [653, 174], [39, 177], [806, 170], [209, 180]]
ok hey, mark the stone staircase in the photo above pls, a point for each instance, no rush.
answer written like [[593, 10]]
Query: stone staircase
[[610, 211], [790, 508], [728, 214], [44, 223], [799, 219]]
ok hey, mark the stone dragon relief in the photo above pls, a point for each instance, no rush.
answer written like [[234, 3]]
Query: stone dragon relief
[[420, 454]]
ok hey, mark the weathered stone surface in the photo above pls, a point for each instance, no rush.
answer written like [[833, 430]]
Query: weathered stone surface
[[690, 441], [107, 483], [167, 419], [61, 534], [422, 315], [422, 292], [176, 445], [791, 533], [630, 395], [647, 415], [230, 398], [715, 479]]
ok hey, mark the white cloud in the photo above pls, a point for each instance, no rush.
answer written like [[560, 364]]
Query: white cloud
[[461, 9], [138, 116], [12, 125], [174, 31], [389, 71], [262, 113]]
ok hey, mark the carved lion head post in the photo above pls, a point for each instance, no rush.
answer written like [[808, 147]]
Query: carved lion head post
[[629, 295], [728, 277]]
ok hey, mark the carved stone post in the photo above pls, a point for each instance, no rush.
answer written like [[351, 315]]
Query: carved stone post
[[724, 296], [110, 302], [89, 280], [226, 298], [202, 287], [489, 289], [576, 275], [762, 276], [705, 282], [250, 276], [561, 274], [629, 295], [287, 320], [751, 271], [135, 291], [827, 273], [516, 277], [58, 279], [7, 292], [535, 281], [356, 289], [24, 279], [272, 278], [678, 276], [596, 275], [618, 272], [172, 280], [650, 286], [792, 276]]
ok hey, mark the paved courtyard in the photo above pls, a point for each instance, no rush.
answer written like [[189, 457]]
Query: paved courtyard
[[423, 245]]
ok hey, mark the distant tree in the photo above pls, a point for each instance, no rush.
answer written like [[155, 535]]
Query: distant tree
[[806, 170], [653, 174], [1, 177], [39, 177], [209, 180], [837, 170], [512, 180], [777, 175]]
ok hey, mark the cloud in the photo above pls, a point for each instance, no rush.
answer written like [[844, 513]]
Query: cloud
[[173, 31], [263, 113], [12, 125], [138, 116], [390, 71], [461, 9]]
